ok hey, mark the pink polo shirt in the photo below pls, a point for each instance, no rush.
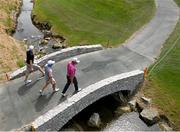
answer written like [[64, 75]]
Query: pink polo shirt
[[71, 69]]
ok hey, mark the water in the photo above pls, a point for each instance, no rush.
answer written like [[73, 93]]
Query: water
[[130, 122], [25, 30]]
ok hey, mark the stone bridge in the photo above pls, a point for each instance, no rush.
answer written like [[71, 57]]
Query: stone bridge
[[56, 118]]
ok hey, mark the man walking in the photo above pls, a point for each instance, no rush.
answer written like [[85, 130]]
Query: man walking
[[30, 64], [49, 77], [71, 78]]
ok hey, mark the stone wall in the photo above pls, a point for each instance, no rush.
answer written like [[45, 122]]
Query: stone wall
[[58, 56], [57, 117]]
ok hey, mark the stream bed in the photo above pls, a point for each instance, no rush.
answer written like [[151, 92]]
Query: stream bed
[[106, 108], [29, 33]]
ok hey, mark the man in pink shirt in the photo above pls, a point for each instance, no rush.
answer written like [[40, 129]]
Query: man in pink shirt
[[71, 75]]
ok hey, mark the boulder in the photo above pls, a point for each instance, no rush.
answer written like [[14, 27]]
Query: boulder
[[164, 119], [94, 120], [44, 41], [150, 116], [61, 38], [57, 46], [64, 46], [123, 109], [165, 127], [47, 38], [47, 33], [132, 105], [146, 100], [140, 105]]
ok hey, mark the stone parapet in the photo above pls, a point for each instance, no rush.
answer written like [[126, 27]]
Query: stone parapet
[[58, 56]]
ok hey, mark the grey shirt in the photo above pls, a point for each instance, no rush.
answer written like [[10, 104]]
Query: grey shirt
[[48, 72]]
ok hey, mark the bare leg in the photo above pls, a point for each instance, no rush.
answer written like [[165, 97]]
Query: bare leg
[[41, 70], [26, 76], [45, 86], [53, 82], [54, 86], [28, 71]]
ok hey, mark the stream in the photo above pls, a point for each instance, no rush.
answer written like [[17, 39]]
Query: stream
[[27, 32], [25, 28]]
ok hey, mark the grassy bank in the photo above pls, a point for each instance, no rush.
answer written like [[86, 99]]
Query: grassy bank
[[164, 81], [94, 21], [11, 52]]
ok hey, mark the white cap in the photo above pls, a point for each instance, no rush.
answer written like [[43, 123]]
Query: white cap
[[50, 62], [75, 60], [31, 47]]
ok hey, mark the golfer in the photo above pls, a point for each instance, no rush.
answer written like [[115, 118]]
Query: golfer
[[30, 66], [49, 77], [71, 76]]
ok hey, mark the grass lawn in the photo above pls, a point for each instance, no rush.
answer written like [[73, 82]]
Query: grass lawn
[[164, 82], [95, 21]]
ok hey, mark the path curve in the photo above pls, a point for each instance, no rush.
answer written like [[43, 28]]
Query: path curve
[[20, 105]]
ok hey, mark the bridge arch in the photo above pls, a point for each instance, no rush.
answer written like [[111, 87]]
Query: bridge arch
[[57, 117]]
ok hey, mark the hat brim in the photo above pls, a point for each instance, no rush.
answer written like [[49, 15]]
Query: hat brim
[[51, 63], [31, 47], [77, 61]]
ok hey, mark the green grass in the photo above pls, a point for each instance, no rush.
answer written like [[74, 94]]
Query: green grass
[[19, 60], [95, 21], [20, 63], [164, 81]]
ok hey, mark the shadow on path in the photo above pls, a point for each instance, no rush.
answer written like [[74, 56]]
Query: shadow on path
[[99, 65], [62, 99], [25, 88], [42, 101]]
